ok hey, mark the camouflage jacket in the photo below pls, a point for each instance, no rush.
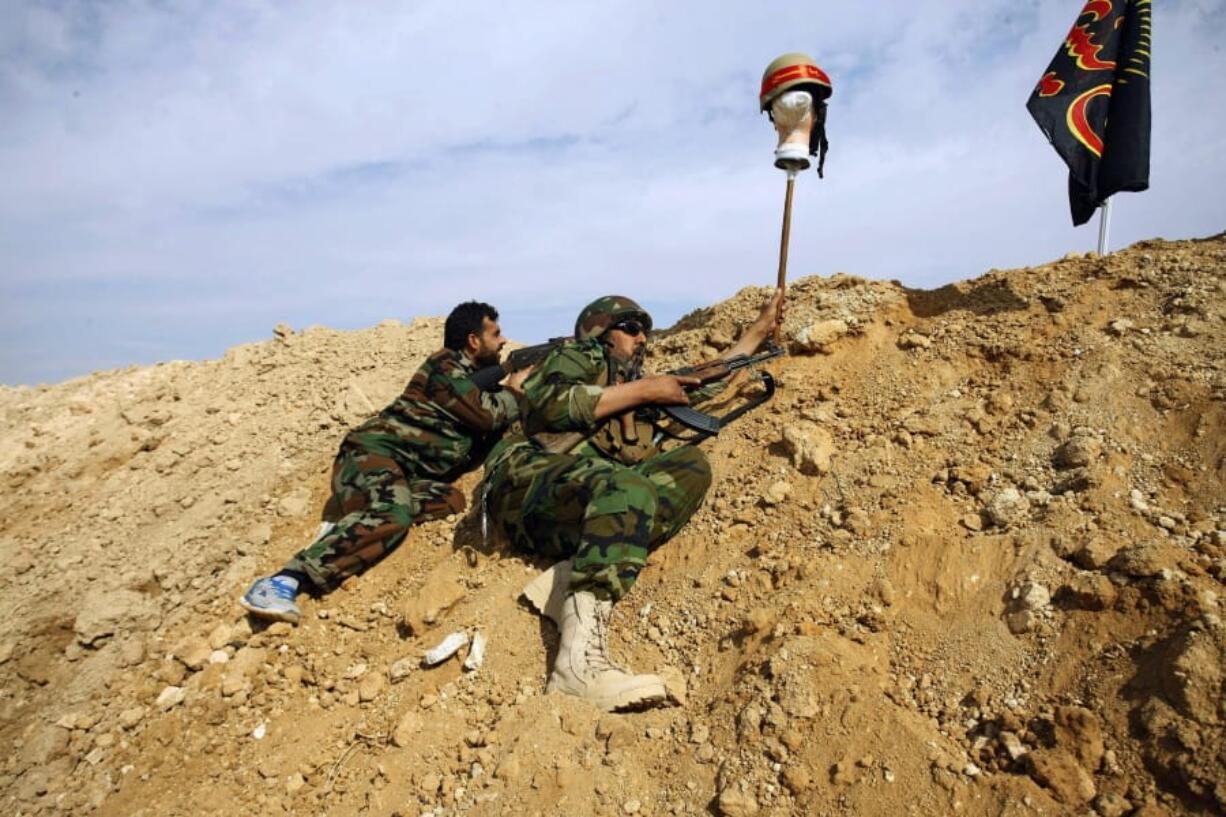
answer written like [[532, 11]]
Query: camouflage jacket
[[442, 425], [562, 393]]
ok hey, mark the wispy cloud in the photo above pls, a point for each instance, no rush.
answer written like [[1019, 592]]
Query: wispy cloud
[[179, 177]]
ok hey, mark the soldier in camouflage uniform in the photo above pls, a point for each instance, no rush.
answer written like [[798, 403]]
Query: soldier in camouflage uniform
[[582, 481], [396, 469]]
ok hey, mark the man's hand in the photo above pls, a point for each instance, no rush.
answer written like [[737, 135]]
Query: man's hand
[[770, 316], [514, 382], [667, 389], [762, 328]]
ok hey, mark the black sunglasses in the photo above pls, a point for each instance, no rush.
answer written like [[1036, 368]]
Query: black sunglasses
[[630, 327]]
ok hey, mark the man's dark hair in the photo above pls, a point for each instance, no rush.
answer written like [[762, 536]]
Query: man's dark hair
[[467, 318]]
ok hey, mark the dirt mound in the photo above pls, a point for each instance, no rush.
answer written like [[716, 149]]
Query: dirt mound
[[968, 561]]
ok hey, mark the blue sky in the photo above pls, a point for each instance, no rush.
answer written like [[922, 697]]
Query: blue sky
[[176, 178]]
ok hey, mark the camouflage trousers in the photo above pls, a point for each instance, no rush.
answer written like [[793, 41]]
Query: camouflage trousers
[[374, 503], [608, 516]]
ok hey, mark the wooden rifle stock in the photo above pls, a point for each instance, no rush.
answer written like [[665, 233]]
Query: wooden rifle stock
[[713, 370]]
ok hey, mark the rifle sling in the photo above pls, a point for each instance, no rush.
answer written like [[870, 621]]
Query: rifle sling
[[707, 425]]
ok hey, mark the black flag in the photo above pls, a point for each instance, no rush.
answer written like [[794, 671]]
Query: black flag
[[1093, 102]]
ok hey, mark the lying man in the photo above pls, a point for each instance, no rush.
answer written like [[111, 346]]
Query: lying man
[[575, 485], [396, 469]]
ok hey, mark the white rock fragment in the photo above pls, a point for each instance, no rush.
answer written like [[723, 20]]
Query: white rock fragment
[[914, 340], [193, 653], [260, 731], [170, 697], [1077, 452], [371, 686], [129, 718], [1032, 596], [777, 493], [809, 446], [1007, 507], [1021, 621], [448, 647], [819, 336], [400, 670], [476, 653], [733, 802], [1027, 602], [1013, 745]]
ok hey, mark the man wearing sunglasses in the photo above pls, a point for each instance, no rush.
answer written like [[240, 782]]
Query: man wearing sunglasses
[[582, 482], [395, 470]]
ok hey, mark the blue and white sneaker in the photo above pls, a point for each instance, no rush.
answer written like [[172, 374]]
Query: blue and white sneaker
[[272, 598]]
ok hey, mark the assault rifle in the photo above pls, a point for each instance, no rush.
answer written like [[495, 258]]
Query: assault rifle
[[621, 439], [707, 425], [488, 377]]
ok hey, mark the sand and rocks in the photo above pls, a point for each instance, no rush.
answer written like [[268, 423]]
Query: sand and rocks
[[968, 561]]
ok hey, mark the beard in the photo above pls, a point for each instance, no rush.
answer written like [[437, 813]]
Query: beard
[[489, 359], [629, 368]]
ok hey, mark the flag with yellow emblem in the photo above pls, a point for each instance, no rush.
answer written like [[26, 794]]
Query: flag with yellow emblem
[[1092, 103]]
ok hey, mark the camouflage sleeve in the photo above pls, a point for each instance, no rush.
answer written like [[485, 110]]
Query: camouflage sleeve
[[502, 405], [451, 389], [707, 392], [561, 395]]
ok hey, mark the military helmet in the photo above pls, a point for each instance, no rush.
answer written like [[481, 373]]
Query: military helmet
[[793, 72], [598, 316]]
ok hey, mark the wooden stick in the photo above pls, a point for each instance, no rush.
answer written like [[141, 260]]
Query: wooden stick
[[783, 242]]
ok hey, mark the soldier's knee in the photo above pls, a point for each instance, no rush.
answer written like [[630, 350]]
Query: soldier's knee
[[631, 482], [399, 517], [626, 490], [693, 468]]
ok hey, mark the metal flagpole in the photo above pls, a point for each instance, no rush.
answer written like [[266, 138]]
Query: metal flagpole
[[1104, 226]]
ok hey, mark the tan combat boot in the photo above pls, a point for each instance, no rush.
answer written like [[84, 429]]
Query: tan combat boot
[[583, 667]]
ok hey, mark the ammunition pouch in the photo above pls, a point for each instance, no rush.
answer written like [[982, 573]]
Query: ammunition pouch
[[625, 438], [557, 442]]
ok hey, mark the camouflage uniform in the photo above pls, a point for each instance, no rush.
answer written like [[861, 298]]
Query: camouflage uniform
[[584, 503], [395, 469]]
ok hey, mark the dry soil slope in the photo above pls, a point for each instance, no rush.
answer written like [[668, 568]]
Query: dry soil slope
[[968, 561]]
